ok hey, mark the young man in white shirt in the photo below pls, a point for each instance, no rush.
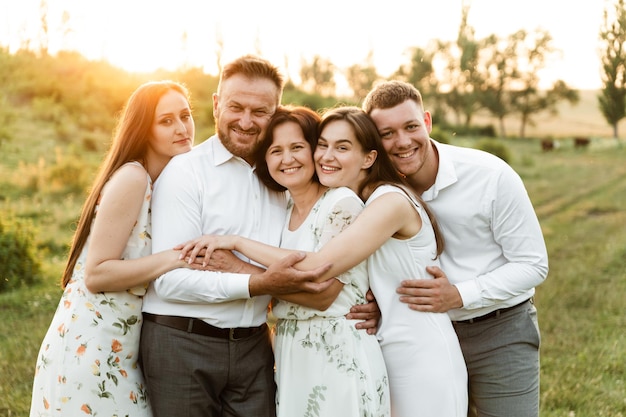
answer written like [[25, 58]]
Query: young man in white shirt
[[494, 252]]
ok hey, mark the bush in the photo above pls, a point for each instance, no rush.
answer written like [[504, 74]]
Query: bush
[[440, 135], [19, 266], [496, 148], [68, 177], [474, 130]]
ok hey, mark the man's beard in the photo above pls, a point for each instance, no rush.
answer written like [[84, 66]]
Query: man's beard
[[245, 152]]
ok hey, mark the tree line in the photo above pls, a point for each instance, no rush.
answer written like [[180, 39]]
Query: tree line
[[459, 79]]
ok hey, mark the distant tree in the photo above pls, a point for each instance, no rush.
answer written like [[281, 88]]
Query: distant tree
[[527, 98], [531, 100], [501, 74], [65, 29], [463, 74], [184, 47], [219, 50], [612, 98], [44, 34], [288, 79], [360, 78], [420, 71], [318, 76]]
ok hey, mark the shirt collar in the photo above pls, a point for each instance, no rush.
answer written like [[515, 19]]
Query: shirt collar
[[446, 172], [222, 155]]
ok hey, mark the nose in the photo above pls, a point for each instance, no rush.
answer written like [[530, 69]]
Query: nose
[[403, 139], [245, 121], [181, 128], [327, 154], [287, 157]]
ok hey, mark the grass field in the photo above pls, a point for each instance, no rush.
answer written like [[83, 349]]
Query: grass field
[[580, 198]]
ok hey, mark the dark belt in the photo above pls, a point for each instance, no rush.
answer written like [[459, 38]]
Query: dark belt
[[197, 326], [495, 313]]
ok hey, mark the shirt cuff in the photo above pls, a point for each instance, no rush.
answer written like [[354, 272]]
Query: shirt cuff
[[238, 287], [470, 294]]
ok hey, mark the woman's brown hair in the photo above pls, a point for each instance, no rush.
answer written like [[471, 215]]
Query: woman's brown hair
[[307, 119], [130, 143]]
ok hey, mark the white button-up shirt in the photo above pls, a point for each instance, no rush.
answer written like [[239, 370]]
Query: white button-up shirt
[[495, 253], [210, 191]]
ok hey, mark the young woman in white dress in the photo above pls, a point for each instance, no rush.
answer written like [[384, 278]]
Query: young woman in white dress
[[398, 238], [87, 364]]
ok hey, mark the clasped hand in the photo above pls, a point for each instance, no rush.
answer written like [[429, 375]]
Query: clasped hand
[[204, 246]]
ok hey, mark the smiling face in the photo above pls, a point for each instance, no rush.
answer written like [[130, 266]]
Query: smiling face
[[339, 157], [172, 131], [242, 112], [405, 131], [289, 158]]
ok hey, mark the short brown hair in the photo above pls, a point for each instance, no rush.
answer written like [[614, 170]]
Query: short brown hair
[[389, 94], [252, 66]]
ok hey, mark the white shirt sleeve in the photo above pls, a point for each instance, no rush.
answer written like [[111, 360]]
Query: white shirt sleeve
[[517, 232], [177, 218]]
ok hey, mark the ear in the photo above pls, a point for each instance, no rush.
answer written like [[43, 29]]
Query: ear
[[369, 159], [215, 100], [428, 122]]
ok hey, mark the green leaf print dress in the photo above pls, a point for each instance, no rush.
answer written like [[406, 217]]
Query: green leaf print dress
[[324, 365]]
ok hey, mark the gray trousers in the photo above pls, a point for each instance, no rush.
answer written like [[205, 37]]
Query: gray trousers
[[190, 375], [502, 357]]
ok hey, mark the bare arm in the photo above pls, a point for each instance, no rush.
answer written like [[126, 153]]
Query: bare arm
[[382, 219], [119, 208], [225, 261], [281, 278]]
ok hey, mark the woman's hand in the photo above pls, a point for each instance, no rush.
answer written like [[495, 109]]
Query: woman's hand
[[205, 245]]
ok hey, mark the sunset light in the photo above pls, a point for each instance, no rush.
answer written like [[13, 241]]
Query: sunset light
[[143, 35]]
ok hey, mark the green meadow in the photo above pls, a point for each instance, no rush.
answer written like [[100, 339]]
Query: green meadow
[[579, 196]]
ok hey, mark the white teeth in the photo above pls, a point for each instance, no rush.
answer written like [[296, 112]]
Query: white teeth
[[240, 132], [406, 154], [327, 168], [290, 170]]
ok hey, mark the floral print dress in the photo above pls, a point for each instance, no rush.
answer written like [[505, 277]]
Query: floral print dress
[[324, 365], [87, 363]]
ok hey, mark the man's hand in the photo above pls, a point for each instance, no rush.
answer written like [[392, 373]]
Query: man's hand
[[282, 278], [369, 313], [431, 295], [223, 260]]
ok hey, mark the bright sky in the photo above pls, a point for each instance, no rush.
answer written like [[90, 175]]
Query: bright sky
[[142, 35]]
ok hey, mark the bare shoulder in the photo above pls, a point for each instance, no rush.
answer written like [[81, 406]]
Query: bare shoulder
[[390, 201], [128, 180], [133, 174]]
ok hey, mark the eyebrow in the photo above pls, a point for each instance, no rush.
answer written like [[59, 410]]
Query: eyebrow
[[337, 141], [170, 113]]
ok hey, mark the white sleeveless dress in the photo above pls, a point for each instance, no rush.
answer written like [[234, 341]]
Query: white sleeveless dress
[[324, 365], [427, 373], [87, 363]]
